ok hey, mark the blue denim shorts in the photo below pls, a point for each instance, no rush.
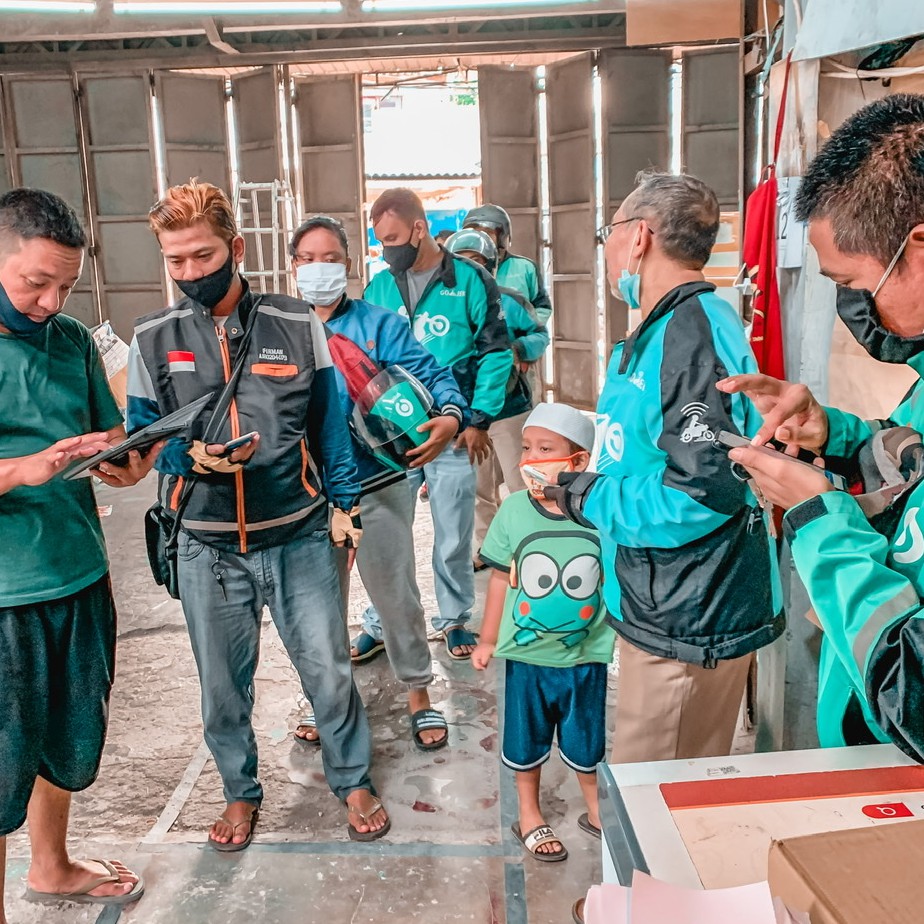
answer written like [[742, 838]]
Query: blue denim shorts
[[544, 702]]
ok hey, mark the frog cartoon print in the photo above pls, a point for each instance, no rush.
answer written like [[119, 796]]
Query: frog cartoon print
[[557, 581]]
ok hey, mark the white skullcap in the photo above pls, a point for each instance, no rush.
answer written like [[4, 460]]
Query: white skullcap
[[564, 420]]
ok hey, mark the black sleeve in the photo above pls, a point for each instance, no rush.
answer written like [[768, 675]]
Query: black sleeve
[[694, 411], [895, 685]]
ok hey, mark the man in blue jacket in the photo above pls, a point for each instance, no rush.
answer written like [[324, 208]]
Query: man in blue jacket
[[319, 250], [453, 307], [691, 584], [255, 528]]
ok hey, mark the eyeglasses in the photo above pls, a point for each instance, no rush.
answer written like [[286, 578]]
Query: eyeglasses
[[606, 230]]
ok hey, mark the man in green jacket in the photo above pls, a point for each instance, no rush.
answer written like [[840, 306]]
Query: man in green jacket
[[863, 197], [454, 309]]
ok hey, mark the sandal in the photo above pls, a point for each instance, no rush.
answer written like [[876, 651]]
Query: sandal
[[81, 896], [541, 834], [456, 637], [367, 835], [585, 825], [231, 847], [425, 720], [307, 721], [577, 911], [366, 647]]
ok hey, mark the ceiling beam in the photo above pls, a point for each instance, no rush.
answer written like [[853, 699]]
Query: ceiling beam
[[197, 50]]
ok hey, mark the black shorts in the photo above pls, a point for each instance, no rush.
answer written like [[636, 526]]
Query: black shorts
[[57, 661]]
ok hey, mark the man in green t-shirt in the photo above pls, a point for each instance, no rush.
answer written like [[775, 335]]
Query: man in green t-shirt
[[544, 615], [57, 618]]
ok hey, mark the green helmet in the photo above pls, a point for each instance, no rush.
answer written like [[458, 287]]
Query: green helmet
[[386, 414], [468, 240], [490, 216]]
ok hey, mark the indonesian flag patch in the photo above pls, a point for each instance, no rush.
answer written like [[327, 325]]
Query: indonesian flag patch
[[181, 361]]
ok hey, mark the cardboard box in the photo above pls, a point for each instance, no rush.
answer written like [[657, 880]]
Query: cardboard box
[[861, 876]]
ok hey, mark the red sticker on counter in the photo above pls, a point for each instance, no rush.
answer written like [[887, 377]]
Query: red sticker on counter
[[888, 810]]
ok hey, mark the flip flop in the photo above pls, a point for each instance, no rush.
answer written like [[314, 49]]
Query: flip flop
[[367, 835], [80, 897], [585, 825], [367, 647], [577, 911], [307, 721], [425, 720], [536, 837], [231, 847], [455, 638]]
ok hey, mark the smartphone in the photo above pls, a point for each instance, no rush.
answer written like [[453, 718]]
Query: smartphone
[[231, 445], [732, 440], [729, 440], [536, 475]]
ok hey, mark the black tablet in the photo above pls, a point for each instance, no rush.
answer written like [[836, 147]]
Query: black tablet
[[175, 424]]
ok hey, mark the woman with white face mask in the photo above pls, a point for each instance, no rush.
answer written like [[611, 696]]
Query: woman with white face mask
[[321, 265]]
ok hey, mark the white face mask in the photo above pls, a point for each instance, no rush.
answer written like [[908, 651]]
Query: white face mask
[[321, 283]]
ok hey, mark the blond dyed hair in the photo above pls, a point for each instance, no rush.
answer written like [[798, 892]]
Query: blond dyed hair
[[191, 203]]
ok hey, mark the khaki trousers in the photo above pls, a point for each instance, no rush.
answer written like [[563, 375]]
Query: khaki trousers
[[502, 467], [670, 710]]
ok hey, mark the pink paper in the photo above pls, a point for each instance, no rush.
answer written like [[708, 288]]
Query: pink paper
[[654, 902], [607, 904]]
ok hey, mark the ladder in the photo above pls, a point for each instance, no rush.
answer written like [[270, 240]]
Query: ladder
[[265, 219]]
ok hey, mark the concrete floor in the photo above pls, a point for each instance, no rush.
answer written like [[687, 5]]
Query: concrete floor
[[449, 856]]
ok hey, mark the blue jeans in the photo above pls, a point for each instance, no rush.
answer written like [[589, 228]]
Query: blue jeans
[[223, 595], [451, 480]]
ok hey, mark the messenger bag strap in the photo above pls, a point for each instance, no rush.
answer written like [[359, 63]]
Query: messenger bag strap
[[222, 405]]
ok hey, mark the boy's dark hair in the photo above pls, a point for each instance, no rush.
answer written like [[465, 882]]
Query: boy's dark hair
[[683, 212], [28, 214], [868, 179], [319, 221], [400, 201]]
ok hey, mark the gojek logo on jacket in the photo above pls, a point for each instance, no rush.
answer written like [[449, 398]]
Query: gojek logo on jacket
[[910, 536], [428, 327]]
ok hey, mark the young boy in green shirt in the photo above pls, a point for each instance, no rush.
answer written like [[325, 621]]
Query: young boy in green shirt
[[544, 615]]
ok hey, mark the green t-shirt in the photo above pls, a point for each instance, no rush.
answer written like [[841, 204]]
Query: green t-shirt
[[51, 386], [553, 612]]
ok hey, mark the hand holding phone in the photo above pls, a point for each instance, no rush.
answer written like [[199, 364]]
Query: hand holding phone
[[728, 440], [244, 440]]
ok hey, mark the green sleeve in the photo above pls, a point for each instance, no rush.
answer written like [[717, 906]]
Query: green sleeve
[[854, 588], [496, 550], [493, 355], [846, 433], [104, 412]]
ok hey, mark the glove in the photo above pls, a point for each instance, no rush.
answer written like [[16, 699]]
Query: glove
[[346, 528], [204, 463], [570, 493]]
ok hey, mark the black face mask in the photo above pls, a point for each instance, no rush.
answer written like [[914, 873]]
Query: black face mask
[[400, 257], [857, 309], [209, 290]]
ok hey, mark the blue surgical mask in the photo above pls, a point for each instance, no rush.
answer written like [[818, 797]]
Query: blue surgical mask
[[15, 321], [629, 285]]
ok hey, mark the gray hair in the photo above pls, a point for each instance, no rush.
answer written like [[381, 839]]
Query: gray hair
[[683, 212]]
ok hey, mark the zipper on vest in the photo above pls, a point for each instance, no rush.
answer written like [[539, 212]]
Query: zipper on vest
[[235, 433]]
